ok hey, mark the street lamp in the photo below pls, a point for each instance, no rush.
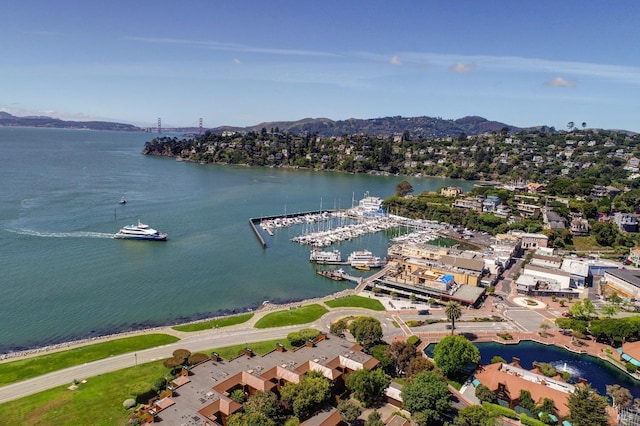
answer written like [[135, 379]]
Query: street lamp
[[135, 355]]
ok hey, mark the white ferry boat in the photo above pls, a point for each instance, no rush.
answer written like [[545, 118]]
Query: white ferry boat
[[363, 259], [140, 232], [325, 257]]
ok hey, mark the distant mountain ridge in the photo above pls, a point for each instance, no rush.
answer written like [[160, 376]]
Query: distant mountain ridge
[[9, 120], [386, 126]]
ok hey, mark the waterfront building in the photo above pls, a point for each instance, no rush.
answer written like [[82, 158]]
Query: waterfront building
[[451, 191]]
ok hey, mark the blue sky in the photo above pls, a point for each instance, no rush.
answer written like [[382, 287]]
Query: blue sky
[[524, 63]]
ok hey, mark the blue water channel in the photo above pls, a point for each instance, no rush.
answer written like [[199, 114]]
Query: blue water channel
[[597, 372]]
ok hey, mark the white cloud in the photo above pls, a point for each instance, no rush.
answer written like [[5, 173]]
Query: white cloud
[[461, 68], [560, 82], [236, 61], [231, 47], [395, 60]]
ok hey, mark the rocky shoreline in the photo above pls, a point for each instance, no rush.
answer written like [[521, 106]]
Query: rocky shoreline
[[167, 328]]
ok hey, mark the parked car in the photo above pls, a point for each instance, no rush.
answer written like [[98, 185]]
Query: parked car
[[423, 312], [566, 314]]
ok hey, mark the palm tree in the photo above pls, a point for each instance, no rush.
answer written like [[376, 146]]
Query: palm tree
[[453, 312]]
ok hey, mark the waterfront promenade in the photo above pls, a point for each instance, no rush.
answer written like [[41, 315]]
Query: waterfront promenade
[[520, 322]]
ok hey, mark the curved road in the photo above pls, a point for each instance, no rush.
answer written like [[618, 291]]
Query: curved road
[[200, 342]]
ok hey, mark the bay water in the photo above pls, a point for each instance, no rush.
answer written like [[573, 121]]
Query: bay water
[[63, 277]]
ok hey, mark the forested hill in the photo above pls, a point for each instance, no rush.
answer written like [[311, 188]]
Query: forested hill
[[386, 126], [9, 120]]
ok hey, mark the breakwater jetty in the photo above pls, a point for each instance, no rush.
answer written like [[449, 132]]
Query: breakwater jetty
[[269, 223]]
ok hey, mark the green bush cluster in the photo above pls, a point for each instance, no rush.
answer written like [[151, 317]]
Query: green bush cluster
[[530, 421], [500, 410], [298, 338], [413, 340]]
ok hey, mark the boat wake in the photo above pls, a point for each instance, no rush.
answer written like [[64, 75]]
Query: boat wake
[[78, 234]]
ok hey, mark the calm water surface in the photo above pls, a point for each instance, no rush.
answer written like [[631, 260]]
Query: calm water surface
[[64, 277]]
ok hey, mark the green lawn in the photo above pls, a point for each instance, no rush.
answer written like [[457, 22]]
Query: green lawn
[[356, 302], [15, 371], [97, 402], [219, 323], [296, 316]]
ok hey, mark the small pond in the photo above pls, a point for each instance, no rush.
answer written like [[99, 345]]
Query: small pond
[[597, 372]]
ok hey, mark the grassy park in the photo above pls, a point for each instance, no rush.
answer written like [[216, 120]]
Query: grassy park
[[99, 400], [356, 302], [296, 316], [26, 368], [214, 323]]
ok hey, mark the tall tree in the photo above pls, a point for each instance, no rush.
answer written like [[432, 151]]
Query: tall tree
[[404, 188], [374, 419], [587, 408], [620, 396], [366, 330], [307, 396], [454, 352], [427, 394], [263, 402], [401, 353], [453, 312], [367, 385], [349, 411]]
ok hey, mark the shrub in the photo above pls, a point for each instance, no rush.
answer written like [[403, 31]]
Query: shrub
[[413, 340], [337, 328], [413, 323], [496, 359], [505, 336], [142, 392], [530, 421], [631, 368], [197, 358], [182, 353], [298, 338], [159, 384], [500, 410], [238, 396], [309, 333], [129, 403], [173, 362]]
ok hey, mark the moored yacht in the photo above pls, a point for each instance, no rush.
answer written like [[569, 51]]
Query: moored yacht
[[364, 259], [325, 257], [140, 232]]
